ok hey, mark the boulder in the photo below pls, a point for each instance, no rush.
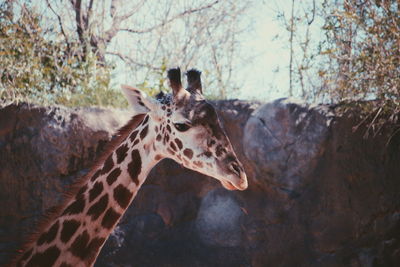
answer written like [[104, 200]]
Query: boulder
[[218, 219], [286, 139]]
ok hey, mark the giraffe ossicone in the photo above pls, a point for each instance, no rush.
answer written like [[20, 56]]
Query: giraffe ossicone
[[182, 126]]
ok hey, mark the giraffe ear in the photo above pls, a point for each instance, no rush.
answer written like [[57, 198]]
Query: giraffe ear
[[174, 76], [194, 81], [137, 99]]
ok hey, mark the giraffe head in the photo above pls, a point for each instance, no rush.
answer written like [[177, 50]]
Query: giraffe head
[[187, 129]]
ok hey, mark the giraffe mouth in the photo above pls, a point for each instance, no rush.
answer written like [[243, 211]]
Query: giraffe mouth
[[230, 186], [238, 181]]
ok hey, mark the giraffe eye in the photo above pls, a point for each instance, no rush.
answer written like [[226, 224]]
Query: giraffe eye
[[182, 127]]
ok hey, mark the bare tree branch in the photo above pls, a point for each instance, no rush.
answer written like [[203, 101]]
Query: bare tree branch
[[313, 14], [131, 61], [182, 14], [88, 14], [61, 25], [80, 26], [291, 51], [113, 8], [96, 24], [117, 20]]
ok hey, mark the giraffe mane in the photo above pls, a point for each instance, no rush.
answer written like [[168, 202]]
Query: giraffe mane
[[73, 189]]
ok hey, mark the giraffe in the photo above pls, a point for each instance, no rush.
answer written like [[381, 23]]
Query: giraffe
[[182, 126]]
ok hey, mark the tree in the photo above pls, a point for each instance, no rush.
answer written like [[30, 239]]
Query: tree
[[41, 70], [302, 25], [358, 57], [356, 63], [363, 51], [149, 35]]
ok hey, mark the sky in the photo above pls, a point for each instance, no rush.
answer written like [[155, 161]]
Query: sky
[[270, 53], [269, 41]]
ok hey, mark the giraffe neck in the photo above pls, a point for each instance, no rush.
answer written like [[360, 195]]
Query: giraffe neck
[[76, 235]]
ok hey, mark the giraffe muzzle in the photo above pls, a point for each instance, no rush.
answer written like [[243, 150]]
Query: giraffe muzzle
[[235, 168], [243, 184], [239, 182]]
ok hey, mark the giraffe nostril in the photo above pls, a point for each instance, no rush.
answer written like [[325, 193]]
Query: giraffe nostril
[[235, 168]]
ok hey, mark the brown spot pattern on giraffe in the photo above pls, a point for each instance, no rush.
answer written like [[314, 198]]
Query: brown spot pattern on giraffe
[[122, 152], [144, 131], [133, 135], [81, 191], [85, 250], [158, 157], [136, 142], [98, 208], [158, 138], [45, 259], [110, 218], [146, 119], [220, 150], [134, 167], [75, 207], [95, 191], [188, 153], [208, 154], [166, 138], [68, 230], [112, 177], [122, 195], [108, 165], [172, 145], [95, 176], [49, 235], [179, 143]]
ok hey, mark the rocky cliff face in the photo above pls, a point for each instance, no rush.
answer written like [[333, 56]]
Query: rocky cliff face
[[319, 195]]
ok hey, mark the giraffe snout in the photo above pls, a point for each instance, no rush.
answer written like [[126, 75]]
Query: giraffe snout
[[237, 168]]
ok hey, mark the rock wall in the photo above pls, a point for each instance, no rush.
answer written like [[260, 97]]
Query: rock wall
[[319, 194]]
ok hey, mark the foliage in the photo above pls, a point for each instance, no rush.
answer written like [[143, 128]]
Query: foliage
[[362, 51], [362, 59], [60, 51], [46, 70], [356, 63]]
